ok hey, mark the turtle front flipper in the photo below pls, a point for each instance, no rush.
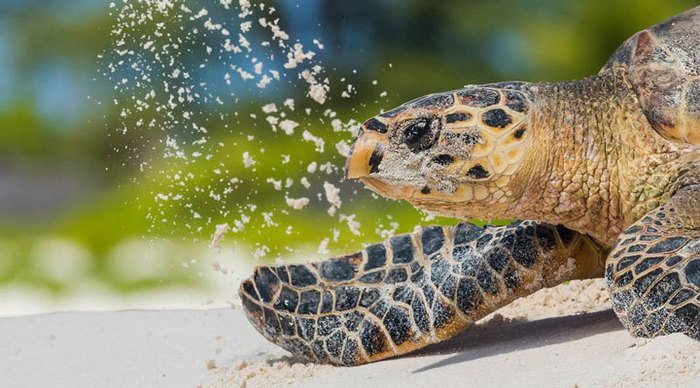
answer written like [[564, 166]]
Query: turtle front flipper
[[653, 272], [411, 290]]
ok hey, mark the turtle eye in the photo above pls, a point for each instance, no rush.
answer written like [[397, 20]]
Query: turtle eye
[[418, 135]]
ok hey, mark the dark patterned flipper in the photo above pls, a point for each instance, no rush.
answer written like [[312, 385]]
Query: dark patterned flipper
[[653, 272], [412, 290]]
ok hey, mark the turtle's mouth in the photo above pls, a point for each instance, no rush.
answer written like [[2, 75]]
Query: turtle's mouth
[[393, 191]]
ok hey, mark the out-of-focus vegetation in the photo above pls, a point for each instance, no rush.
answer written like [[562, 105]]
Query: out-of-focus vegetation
[[76, 209]]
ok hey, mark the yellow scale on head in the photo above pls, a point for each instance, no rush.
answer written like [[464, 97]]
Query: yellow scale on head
[[503, 135]]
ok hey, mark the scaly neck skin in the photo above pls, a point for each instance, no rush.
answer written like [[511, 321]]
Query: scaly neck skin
[[595, 151]]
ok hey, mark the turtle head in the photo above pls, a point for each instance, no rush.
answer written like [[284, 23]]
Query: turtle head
[[456, 153]]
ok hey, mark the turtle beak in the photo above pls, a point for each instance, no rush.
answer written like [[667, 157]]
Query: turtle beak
[[365, 155]]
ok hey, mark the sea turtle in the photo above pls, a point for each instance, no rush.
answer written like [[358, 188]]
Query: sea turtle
[[607, 170]]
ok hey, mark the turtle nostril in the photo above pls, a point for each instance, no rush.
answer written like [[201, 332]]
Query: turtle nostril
[[375, 125], [443, 160]]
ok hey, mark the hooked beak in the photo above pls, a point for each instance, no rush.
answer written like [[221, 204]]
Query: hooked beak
[[364, 161]]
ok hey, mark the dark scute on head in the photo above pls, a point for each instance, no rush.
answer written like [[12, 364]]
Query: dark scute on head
[[340, 269], [516, 102], [376, 256], [478, 97], [519, 133], [301, 276], [457, 117], [443, 159], [435, 101], [433, 238], [478, 172], [497, 118], [418, 277], [375, 125], [394, 112], [471, 138], [376, 158]]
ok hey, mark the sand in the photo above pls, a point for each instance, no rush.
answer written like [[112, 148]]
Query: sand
[[561, 337]]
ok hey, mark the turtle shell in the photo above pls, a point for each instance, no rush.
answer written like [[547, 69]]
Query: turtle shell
[[663, 65]]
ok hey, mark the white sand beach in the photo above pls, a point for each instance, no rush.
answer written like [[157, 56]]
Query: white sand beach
[[561, 337]]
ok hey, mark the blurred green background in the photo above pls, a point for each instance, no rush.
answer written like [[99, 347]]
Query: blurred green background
[[77, 208]]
